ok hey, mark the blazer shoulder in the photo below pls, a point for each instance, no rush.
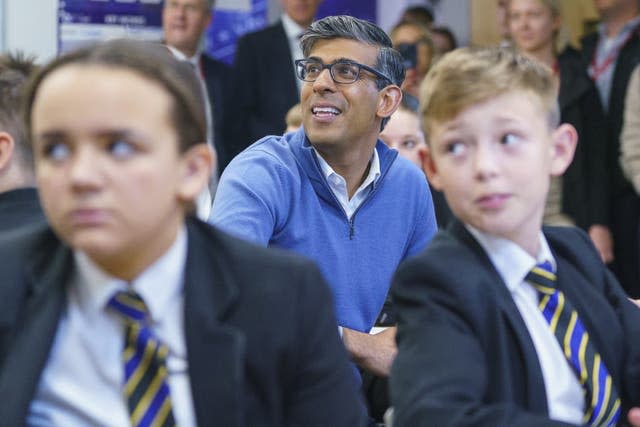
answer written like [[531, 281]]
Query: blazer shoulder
[[238, 254]]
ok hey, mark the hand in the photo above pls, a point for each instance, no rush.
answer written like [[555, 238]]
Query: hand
[[601, 237], [373, 352], [634, 417]]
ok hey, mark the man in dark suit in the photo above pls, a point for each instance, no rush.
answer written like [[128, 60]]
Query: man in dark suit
[[19, 203], [183, 24], [264, 74], [127, 311], [610, 55]]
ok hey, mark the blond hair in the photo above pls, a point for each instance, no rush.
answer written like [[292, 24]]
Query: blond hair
[[469, 76]]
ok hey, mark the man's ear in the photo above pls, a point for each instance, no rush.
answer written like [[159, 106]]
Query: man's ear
[[197, 167], [429, 167], [7, 148], [563, 147], [388, 100]]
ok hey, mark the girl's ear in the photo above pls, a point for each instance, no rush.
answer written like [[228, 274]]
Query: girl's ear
[[197, 167]]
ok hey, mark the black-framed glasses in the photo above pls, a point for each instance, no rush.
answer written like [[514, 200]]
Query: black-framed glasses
[[343, 72]]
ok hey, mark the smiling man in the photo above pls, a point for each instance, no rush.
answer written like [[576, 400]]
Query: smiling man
[[332, 190]]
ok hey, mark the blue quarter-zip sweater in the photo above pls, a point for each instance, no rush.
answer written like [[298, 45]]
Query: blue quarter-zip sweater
[[274, 193]]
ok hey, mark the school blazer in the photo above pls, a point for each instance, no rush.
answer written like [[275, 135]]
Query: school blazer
[[262, 342], [465, 356]]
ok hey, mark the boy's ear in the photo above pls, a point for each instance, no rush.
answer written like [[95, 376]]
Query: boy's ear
[[429, 167], [389, 100], [7, 147], [197, 167], [564, 140]]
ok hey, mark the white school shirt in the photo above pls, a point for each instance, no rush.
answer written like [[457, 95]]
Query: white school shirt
[[565, 398], [81, 384]]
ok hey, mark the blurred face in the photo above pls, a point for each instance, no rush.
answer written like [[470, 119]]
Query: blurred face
[[494, 162], [111, 180], [501, 18], [403, 132], [301, 11], [532, 25], [607, 7], [411, 34], [343, 116], [183, 23]]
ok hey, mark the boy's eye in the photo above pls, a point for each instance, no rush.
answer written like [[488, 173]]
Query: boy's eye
[[509, 139], [455, 148], [121, 148], [57, 151]]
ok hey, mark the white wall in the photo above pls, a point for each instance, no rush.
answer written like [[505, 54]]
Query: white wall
[[30, 26]]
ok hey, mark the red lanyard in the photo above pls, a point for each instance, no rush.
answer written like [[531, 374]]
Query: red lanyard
[[597, 70]]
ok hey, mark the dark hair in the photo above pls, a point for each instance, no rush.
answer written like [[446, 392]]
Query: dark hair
[[15, 71], [152, 61], [419, 14], [389, 62], [448, 34]]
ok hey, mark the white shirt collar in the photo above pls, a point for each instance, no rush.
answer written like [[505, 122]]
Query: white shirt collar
[[512, 262], [291, 28], [374, 169], [158, 285], [195, 59]]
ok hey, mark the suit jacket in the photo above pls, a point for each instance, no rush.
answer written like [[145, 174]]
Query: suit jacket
[[217, 76], [19, 207], [265, 85], [262, 342], [465, 355], [585, 184], [623, 201], [628, 58]]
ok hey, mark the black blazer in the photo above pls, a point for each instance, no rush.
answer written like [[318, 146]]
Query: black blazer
[[628, 58], [465, 356], [217, 77], [19, 207], [262, 341], [585, 184], [264, 85]]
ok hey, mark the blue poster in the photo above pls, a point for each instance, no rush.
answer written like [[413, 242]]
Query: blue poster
[[85, 21], [358, 8], [231, 19]]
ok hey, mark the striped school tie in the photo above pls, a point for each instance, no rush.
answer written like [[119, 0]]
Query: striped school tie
[[145, 373], [602, 402]]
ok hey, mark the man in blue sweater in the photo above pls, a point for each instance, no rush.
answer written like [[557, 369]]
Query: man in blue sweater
[[332, 190]]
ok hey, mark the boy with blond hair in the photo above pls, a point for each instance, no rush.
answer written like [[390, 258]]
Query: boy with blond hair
[[508, 322]]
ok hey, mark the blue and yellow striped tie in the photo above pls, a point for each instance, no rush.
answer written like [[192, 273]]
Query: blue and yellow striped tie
[[602, 402], [145, 373]]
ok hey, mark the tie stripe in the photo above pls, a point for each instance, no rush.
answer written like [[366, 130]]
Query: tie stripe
[[144, 356], [601, 398]]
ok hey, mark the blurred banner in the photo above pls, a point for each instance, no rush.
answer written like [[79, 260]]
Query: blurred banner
[[85, 21], [231, 19]]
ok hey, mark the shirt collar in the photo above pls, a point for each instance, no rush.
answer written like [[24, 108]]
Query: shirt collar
[[372, 176], [511, 261], [195, 59], [291, 28], [158, 285]]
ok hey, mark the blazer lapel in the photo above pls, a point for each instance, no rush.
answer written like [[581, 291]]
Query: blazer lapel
[[536, 393], [215, 351], [34, 333]]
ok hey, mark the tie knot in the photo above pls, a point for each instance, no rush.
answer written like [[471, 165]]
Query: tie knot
[[129, 305], [543, 278]]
